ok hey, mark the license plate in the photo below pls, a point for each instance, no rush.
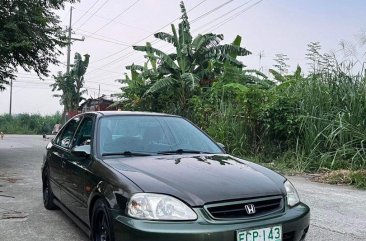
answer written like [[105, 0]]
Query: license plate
[[261, 234]]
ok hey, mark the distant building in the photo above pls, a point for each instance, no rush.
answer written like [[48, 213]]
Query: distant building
[[101, 103]]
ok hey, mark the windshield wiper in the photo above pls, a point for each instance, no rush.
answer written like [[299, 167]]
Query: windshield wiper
[[126, 153], [183, 151]]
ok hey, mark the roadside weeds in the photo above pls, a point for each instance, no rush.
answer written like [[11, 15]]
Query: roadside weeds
[[356, 178]]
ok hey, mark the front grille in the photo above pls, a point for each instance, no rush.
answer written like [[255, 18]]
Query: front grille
[[237, 210]]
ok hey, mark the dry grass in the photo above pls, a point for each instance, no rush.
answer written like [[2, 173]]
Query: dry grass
[[344, 177]]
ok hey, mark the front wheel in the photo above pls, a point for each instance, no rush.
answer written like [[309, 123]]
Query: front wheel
[[101, 223], [47, 192]]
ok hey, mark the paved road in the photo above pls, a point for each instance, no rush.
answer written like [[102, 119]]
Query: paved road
[[22, 216], [338, 213]]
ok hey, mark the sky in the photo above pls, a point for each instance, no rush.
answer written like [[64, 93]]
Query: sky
[[111, 27]]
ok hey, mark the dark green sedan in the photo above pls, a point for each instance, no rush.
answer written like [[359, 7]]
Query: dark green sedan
[[134, 176]]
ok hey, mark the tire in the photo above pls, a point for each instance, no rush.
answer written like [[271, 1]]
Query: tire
[[47, 192], [101, 222]]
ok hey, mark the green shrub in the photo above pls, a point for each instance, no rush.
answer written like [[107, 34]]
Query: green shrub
[[28, 123]]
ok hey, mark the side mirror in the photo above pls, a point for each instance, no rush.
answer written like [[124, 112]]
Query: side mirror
[[222, 146], [81, 151]]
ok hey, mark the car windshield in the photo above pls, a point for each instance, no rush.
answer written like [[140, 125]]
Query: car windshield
[[136, 135]]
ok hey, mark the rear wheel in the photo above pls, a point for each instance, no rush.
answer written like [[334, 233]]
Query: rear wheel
[[47, 192], [101, 223]]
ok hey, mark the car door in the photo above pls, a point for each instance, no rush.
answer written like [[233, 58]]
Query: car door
[[76, 168], [56, 155]]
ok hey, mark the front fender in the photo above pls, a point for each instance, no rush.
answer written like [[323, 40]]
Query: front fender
[[110, 185]]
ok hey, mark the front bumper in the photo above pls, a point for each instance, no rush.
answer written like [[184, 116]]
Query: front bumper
[[295, 223]]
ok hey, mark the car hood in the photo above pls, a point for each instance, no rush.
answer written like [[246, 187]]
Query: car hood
[[200, 179]]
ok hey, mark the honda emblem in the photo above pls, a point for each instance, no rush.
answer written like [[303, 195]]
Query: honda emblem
[[250, 208]]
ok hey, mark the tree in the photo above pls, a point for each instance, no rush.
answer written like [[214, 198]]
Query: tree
[[133, 89], [71, 85], [281, 63], [195, 63], [77, 75], [29, 36], [241, 77]]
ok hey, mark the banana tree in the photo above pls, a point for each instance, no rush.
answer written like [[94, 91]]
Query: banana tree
[[134, 87], [71, 85], [195, 62], [77, 75]]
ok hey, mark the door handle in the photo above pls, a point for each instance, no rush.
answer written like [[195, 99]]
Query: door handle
[[63, 164]]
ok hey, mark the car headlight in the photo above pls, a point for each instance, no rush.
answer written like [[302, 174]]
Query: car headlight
[[292, 196], [159, 207]]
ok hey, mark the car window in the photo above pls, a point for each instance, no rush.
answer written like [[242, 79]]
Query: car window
[[151, 134], [83, 135], [64, 139]]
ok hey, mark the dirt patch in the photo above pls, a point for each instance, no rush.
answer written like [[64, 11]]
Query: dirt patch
[[342, 177], [10, 180], [12, 215]]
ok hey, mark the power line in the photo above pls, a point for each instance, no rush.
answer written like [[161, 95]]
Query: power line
[[65, 16], [26, 84], [92, 88], [105, 40], [129, 54], [124, 49], [31, 87], [156, 40], [34, 81], [111, 76], [100, 7], [196, 19], [236, 15], [211, 11], [124, 11], [45, 88], [202, 16], [30, 82], [104, 37], [132, 52], [87, 11], [30, 75], [223, 15], [127, 46], [110, 71], [107, 84], [123, 24]]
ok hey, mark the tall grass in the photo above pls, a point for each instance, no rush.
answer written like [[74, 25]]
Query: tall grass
[[28, 124], [333, 121], [332, 116], [231, 127], [308, 124]]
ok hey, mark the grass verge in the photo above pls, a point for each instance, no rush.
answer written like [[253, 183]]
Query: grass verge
[[355, 178]]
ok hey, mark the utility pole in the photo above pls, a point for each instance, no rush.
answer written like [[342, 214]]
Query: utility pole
[[99, 98], [11, 96], [69, 44], [261, 55], [69, 38]]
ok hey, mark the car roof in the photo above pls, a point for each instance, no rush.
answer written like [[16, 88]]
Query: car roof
[[121, 113]]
